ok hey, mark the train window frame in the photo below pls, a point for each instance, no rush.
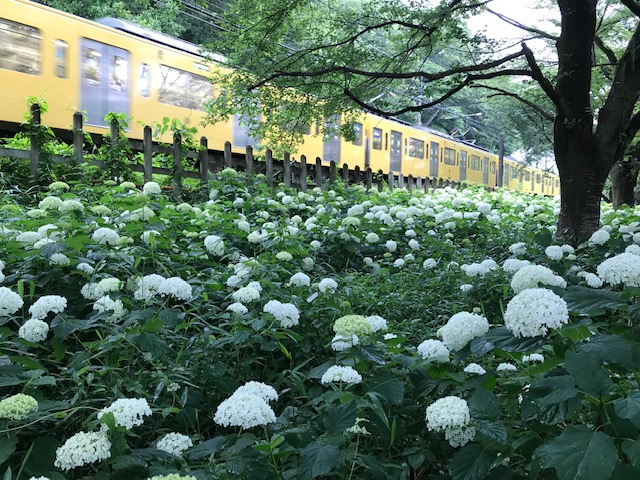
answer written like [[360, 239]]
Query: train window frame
[[358, 134], [60, 58], [527, 176], [492, 167], [188, 97], [474, 164], [538, 178], [376, 139], [449, 156], [514, 173], [91, 73], [118, 73], [144, 82], [20, 47], [416, 148]]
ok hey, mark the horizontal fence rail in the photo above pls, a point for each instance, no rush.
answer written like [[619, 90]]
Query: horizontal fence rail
[[300, 174]]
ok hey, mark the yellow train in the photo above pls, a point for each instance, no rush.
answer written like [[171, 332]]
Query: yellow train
[[114, 66]]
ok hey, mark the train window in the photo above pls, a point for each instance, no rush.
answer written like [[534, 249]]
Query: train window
[[537, 178], [514, 173], [492, 168], [20, 47], [118, 73], [144, 80], [416, 148], [377, 139], [60, 56], [527, 175], [449, 156], [357, 131], [557, 183], [506, 171], [183, 89], [474, 163], [91, 60]]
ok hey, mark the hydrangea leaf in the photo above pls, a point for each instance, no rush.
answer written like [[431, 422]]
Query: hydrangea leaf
[[589, 374], [206, 448], [318, 459], [592, 301], [543, 237], [7, 447], [338, 418], [503, 339], [609, 349], [631, 449], [629, 408], [472, 462], [389, 387], [579, 453]]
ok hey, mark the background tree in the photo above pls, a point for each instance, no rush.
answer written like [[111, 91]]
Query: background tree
[[341, 55]]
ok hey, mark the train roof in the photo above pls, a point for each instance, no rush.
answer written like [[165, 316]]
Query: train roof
[[158, 37]]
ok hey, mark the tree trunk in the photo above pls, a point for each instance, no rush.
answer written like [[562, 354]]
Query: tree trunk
[[624, 177]]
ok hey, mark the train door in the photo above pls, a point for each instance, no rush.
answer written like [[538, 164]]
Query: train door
[[434, 154], [104, 83], [331, 145], [395, 152], [485, 170], [463, 165]]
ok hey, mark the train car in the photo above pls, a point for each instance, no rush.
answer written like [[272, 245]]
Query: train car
[[114, 66]]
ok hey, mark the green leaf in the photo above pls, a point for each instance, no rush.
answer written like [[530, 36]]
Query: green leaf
[[206, 448], [317, 459], [338, 419], [550, 390], [495, 431], [484, 405], [503, 339], [7, 447], [587, 300], [609, 349], [43, 454], [579, 453], [629, 407], [631, 449], [391, 388], [472, 462], [589, 374], [543, 237]]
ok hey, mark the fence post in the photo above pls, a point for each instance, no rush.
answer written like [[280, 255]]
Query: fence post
[[368, 178], [114, 138], [269, 165], [400, 180], [419, 182], [356, 174], [34, 155], [345, 174], [248, 159], [78, 139], [228, 158], [177, 165], [303, 173], [318, 172], [203, 158], [410, 182], [332, 171], [379, 180], [390, 181], [286, 168], [147, 153]]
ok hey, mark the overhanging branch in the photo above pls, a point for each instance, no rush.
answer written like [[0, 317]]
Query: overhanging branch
[[531, 105]]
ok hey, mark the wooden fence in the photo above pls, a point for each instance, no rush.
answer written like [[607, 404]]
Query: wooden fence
[[298, 174]]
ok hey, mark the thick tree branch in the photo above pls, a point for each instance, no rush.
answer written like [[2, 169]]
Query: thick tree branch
[[632, 5], [611, 56], [633, 126], [536, 31], [541, 79], [505, 93]]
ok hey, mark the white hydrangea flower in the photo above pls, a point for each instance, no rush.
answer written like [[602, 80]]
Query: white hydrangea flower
[[593, 280], [34, 330], [59, 259], [434, 351], [518, 248], [284, 256], [42, 242], [300, 280], [105, 236], [534, 357], [378, 323], [462, 328], [447, 413], [459, 437], [554, 252], [512, 265], [257, 236], [506, 367], [82, 449], [244, 410], [391, 246], [475, 270], [286, 313], [599, 237], [259, 389], [175, 287], [308, 263], [633, 249], [107, 285], [70, 206], [128, 412], [429, 264], [174, 443], [372, 238], [475, 368], [50, 203], [148, 235], [237, 308], [47, 303], [341, 374], [327, 285], [483, 208], [106, 304], [530, 276], [246, 294], [315, 245], [28, 238], [624, 268], [533, 311], [10, 302], [466, 287], [148, 286], [151, 188], [214, 245], [340, 343], [414, 245]]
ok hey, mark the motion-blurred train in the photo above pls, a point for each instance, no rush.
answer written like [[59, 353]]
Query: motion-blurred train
[[111, 65]]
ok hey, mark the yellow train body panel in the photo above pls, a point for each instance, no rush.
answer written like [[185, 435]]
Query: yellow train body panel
[[79, 65]]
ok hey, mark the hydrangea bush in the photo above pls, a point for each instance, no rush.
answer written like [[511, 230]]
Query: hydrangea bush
[[271, 334]]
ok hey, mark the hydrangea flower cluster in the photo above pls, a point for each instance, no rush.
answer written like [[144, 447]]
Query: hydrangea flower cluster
[[462, 328], [327, 285], [530, 276], [621, 269], [300, 279], [107, 304], [34, 330], [105, 236], [148, 286], [352, 325], [214, 245], [451, 415], [10, 302], [341, 374], [128, 412], [247, 407], [18, 407], [534, 311], [175, 287], [286, 313], [47, 303], [378, 324], [82, 449], [434, 351], [174, 443]]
